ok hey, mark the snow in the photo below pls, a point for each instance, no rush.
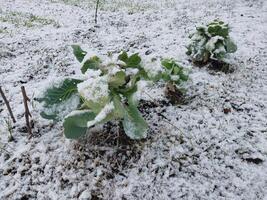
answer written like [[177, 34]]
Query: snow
[[153, 68], [94, 89], [131, 71], [102, 115], [65, 107], [198, 152], [113, 70], [212, 42]]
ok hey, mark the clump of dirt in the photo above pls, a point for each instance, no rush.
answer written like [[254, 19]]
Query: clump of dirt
[[215, 65], [220, 66]]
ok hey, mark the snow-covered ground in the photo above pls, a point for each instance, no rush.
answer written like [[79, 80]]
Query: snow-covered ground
[[200, 152]]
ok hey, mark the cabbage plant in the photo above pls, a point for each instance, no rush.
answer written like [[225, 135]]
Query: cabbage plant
[[106, 92], [211, 42]]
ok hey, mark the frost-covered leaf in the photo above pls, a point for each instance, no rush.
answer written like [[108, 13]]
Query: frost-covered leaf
[[58, 94], [173, 71], [214, 43], [105, 115], [95, 92], [92, 63], [75, 124], [118, 79], [218, 28], [211, 42], [60, 99], [118, 106], [78, 52], [134, 124], [167, 64], [230, 46]]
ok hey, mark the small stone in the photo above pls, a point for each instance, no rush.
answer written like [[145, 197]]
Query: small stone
[[226, 110], [85, 195], [6, 156], [148, 52]]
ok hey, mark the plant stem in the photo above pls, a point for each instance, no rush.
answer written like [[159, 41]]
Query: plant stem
[[96, 10], [27, 112], [7, 105]]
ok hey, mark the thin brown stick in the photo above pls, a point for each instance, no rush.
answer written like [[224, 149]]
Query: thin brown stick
[[27, 112], [96, 10], [7, 105]]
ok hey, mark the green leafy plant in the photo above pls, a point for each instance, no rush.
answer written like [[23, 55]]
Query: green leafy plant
[[211, 42], [106, 92], [174, 72]]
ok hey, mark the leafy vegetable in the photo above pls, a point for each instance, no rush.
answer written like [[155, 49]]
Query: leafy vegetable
[[173, 71], [211, 42], [107, 93]]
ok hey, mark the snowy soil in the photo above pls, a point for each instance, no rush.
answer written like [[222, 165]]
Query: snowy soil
[[213, 147]]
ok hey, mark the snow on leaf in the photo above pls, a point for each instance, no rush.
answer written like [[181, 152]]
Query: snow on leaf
[[95, 92], [134, 124], [59, 99], [103, 116]]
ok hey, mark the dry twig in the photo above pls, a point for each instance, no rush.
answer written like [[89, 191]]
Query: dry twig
[[7, 105], [96, 10], [27, 112]]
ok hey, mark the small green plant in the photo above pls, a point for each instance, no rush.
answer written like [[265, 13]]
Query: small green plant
[[174, 72], [9, 129], [211, 42], [106, 93]]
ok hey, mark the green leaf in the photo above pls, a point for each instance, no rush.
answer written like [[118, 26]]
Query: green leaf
[[167, 63], [75, 124], [123, 56], [134, 60], [78, 52], [55, 99], [56, 95], [119, 109], [48, 116], [184, 77], [218, 28], [106, 114], [134, 124], [230, 46], [117, 79], [92, 63]]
